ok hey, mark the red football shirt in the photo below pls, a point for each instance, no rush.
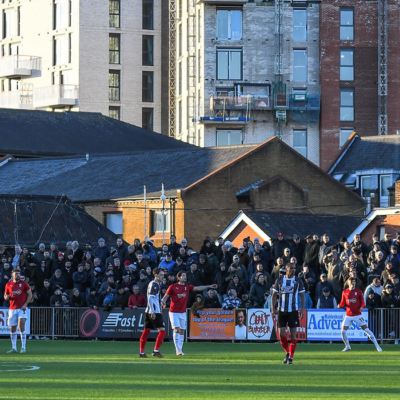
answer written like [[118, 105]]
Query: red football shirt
[[179, 297], [354, 300], [17, 292]]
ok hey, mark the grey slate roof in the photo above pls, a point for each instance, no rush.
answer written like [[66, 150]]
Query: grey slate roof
[[38, 133], [305, 224], [113, 177], [67, 222], [373, 152]]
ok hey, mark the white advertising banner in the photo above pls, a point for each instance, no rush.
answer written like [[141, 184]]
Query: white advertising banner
[[259, 324], [327, 325], [5, 329]]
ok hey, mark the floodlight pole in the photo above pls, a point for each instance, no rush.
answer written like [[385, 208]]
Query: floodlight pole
[[145, 213]]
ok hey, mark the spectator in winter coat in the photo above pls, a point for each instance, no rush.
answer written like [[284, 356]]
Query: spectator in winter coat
[[324, 249], [358, 244], [279, 246], [346, 252], [76, 299], [311, 252], [297, 249], [55, 299], [326, 300], [260, 271], [45, 294], [122, 298], [394, 258], [374, 272], [235, 269], [57, 281], [136, 299], [143, 282], [211, 300], [93, 299], [173, 247], [122, 249], [321, 285], [232, 301], [168, 262], [258, 290], [220, 280], [80, 280], [375, 286], [206, 268], [102, 251], [334, 267], [239, 286], [213, 261], [244, 258]]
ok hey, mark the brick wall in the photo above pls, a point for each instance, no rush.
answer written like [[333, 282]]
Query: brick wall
[[241, 232], [390, 222], [365, 46]]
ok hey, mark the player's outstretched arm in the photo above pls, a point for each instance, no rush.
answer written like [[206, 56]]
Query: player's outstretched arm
[[201, 288]]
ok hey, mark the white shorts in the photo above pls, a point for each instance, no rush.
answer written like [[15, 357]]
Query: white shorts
[[15, 315], [178, 320], [358, 320]]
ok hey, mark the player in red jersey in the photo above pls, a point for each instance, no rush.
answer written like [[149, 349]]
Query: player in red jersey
[[19, 293], [179, 293], [353, 299]]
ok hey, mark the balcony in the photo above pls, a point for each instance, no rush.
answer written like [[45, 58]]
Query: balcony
[[304, 107], [242, 102], [56, 96], [18, 99], [19, 66]]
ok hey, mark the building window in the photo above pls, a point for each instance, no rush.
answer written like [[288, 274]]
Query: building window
[[180, 40], [114, 222], [229, 64], [70, 48], [346, 23], [70, 13], [227, 137], [148, 14], [114, 13], [157, 221], [384, 184], [114, 112], [299, 25], [347, 64], [180, 79], [344, 135], [347, 104], [148, 50], [59, 18], [366, 186], [229, 24], [114, 85], [8, 23], [148, 119], [114, 49], [300, 141], [59, 50], [180, 122], [300, 65], [19, 21], [147, 86]]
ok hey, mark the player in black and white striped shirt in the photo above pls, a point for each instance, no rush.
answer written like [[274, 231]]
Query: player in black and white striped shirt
[[288, 287]]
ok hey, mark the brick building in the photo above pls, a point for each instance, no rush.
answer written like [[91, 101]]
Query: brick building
[[204, 188], [351, 74], [100, 56]]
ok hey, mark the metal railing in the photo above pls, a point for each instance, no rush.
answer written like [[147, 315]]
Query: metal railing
[[15, 98], [384, 323], [54, 322], [256, 102], [9, 64]]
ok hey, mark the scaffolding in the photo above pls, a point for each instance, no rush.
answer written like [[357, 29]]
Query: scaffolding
[[192, 49], [382, 65], [279, 28], [172, 68]]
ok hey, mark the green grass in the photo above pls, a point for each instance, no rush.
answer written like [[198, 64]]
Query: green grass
[[112, 370]]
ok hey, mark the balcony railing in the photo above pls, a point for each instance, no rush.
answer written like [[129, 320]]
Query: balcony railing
[[304, 102], [55, 96], [21, 99], [243, 102], [18, 66]]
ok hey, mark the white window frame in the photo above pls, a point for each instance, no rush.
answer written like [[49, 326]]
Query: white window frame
[[301, 27], [230, 133], [300, 69], [230, 72], [362, 179], [157, 221], [229, 23], [381, 185], [9, 16], [60, 14], [303, 150], [60, 50]]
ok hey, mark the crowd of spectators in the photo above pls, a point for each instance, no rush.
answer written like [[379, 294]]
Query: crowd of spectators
[[118, 275]]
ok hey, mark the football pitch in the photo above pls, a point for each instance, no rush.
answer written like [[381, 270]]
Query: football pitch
[[113, 370]]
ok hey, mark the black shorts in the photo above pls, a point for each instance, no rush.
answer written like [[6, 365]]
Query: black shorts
[[153, 323], [291, 319]]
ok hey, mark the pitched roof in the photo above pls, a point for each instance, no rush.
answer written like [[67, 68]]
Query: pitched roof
[[42, 133], [46, 219], [305, 224], [114, 176], [371, 152]]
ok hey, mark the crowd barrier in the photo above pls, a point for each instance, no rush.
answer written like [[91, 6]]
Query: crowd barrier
[[209, 324]]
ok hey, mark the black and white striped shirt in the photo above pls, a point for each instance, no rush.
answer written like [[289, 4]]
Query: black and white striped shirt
[[153, 298], [288, 290]]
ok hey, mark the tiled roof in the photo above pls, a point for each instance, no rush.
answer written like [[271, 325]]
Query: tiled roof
[[371, 152], [46, 219], [305, 224], [116, 176], [38, 133]]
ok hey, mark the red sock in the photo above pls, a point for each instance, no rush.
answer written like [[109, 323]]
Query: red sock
[[160, 339], [285, 344], [143, 340], [293, 344]]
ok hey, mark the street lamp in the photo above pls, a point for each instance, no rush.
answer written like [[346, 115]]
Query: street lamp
[[163, 198]]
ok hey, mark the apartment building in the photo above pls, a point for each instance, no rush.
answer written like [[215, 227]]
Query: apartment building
[[246, 71], [360, 72], [84, 55]]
